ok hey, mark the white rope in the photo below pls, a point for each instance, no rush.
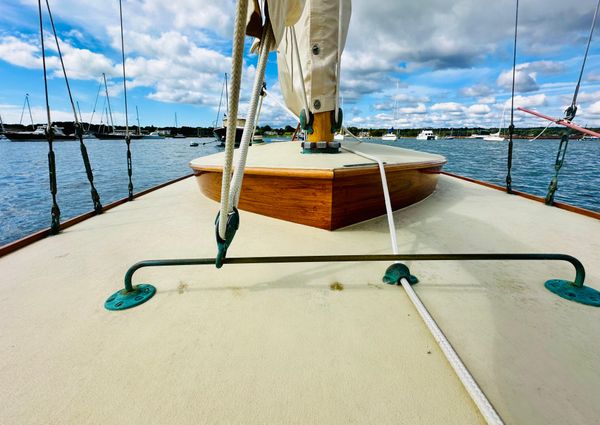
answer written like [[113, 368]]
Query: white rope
[[302, 86], [238, 176], [260, 102], [542, 132], [280, 103], [237, 58], [481, 401]]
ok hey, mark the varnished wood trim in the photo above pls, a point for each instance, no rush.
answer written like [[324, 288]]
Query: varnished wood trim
[[272, 172], [37, 236], [347, 197], [559, 205], [366, 168]]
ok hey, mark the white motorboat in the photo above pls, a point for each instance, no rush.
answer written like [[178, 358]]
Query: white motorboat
[[426, 135]]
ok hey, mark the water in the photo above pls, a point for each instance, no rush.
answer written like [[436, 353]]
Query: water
[[25, 196]]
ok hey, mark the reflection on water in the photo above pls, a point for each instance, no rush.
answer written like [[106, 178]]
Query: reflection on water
[[25, 196]]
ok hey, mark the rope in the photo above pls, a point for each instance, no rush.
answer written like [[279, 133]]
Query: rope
[[260, 102], [55, 210], [127, 135], [78, 126], [483, 404], [238, 176], [236, 78], [280, 103], [542, 132], [511, 127]]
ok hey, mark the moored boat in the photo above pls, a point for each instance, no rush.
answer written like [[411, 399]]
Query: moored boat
[[426, 135], [220, 133], [39, 134]]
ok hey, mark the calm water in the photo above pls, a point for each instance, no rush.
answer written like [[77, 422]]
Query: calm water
[[25, 197]]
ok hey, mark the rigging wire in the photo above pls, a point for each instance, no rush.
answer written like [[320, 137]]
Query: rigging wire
[[569, 116], [55, 210], [78, 125], [95, 104], [511, 127], [587, 49], [127, 135]]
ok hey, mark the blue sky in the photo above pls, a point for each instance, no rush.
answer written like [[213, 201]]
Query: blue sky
[[444, 64]]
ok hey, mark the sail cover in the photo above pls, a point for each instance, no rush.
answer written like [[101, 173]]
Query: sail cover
[[320, 27]]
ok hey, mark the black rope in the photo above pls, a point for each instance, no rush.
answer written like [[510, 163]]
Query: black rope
[[570, 113], [78, 125], [55, 210], [511, 127], [127, 135]]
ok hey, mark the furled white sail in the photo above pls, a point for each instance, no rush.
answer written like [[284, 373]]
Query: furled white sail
[[320, 27]]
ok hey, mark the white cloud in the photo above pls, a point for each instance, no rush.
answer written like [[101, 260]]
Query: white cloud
[[447, 107], [478, 109]]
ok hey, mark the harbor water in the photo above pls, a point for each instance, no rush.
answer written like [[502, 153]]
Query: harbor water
[[25, 197]]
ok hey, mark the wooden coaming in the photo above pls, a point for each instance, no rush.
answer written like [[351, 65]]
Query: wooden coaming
[[327, 199]]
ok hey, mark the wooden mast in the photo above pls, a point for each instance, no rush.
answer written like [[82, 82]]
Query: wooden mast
[[321, 128]]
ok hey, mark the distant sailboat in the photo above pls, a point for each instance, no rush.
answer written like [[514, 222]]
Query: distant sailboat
[[221, 132], [177, 135], [496, 137], [112, 134]]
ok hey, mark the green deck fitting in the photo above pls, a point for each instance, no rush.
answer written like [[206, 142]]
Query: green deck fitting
[[122, 300], [579, 294]]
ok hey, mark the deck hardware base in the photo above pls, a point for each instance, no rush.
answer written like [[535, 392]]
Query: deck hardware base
[[123, 299], [579, 294], [233, 223], [397, 271], [321, 147]]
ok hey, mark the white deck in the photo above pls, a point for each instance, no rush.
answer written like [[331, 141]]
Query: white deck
[[285, 155], [273, 344]]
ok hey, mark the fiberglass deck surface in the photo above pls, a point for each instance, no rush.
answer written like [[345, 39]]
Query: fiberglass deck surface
[[284, 155], [274, 344]]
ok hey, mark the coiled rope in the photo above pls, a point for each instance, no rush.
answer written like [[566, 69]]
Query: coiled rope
[[78, 125]]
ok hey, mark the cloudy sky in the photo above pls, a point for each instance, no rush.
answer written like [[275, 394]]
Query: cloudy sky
[[443, 63]]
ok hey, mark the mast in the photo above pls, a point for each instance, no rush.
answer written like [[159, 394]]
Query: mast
[[26, 103], [137, 116], [223, 89], [1, 125], [112, 125], [79, 110], [176, 126]]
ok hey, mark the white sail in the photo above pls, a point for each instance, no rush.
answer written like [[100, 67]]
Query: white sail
[[317, 28]]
